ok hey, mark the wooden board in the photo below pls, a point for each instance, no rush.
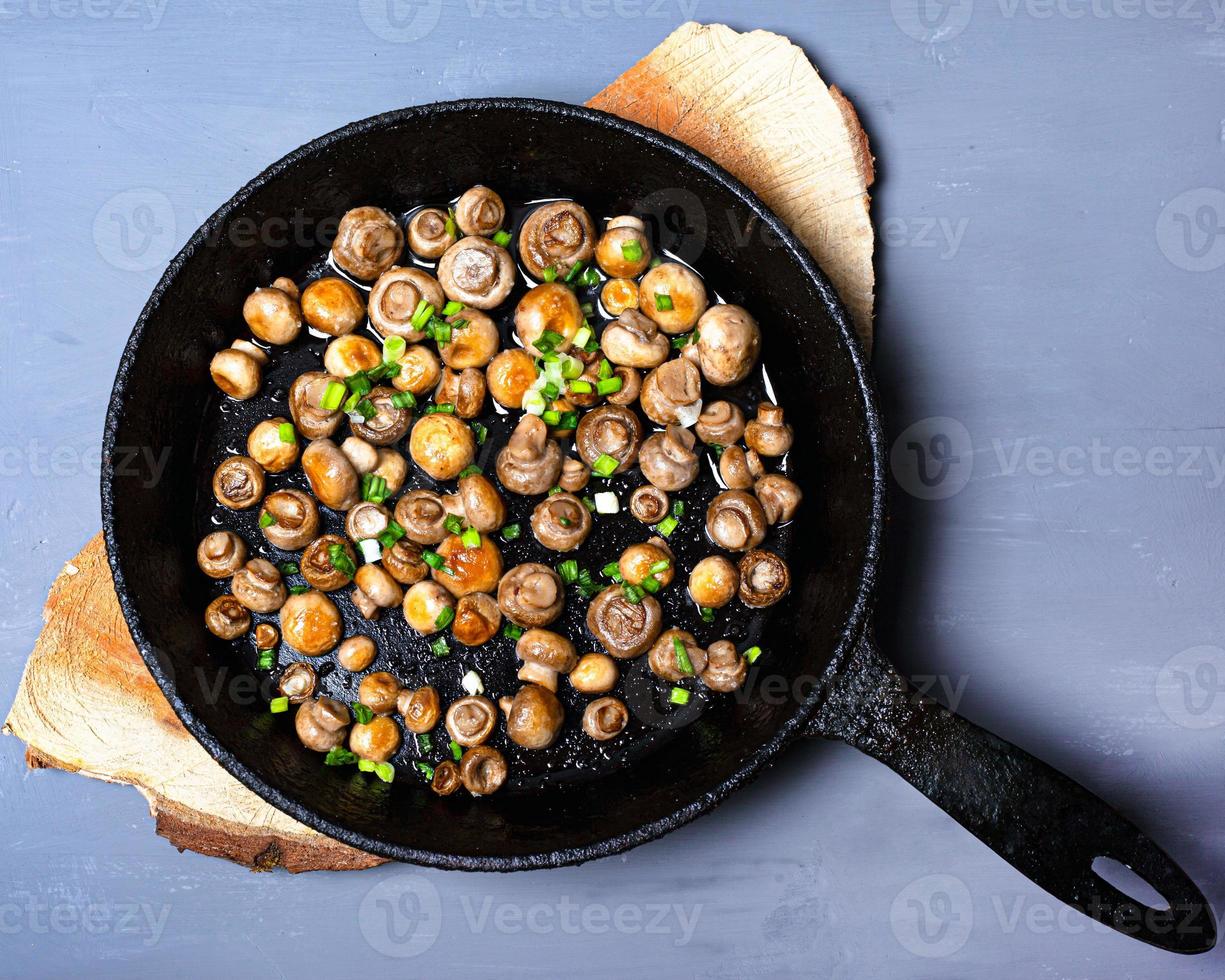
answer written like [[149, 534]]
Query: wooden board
[[753, 103]]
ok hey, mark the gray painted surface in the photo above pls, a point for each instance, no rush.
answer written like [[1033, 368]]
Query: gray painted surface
[[1052, 267]]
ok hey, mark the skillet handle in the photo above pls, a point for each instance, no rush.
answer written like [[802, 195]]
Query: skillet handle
[[1046, 825]]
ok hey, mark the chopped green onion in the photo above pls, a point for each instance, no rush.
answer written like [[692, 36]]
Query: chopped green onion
[[458, 324], [511, 631], [393, 534], [453, 524], [587, 309], [482, 433], [404, 399], [471, 538], [366, 409], [442, 408], [576, 270], [339, 756], [359, 383], [452, 307], [286, 432], [278, 706], [333, 395], [591, 277], [589, 503], [511, 532], [350, 404], [571, 368], [683, 663], [582, 387], [385, 771], [751, 654], [550, 391], [533, 402], [457, 750], [374, 488], [587, 585], [444, 618], [440, 648], [591, 346], [426, 769], [288, 568], [678, 509], [612, 570], [663, 302], [568, 570], [584, 334], [553, 490], [362, 714], [660, 566], [651, 584], [266, 519], [425, 743], [549, 274], [340, 560], [299, 589], [667, 526], [393, 348], [608, 386], [633, 594], [441, 332], [452, 228], [432, 558], [421, 316], [550, 417], [717, 450], [631, 251], [502, 238], [678, 695], [266, 659], [656, 262], [708, 614], [606, 369], [469, 471], [552, 338], [604, 465], [365, 765], [568, 420]]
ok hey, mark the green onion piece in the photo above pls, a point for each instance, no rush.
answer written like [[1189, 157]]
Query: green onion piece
[[660, 566], [393, 534], [576, 270], [631, 251], [288, 568], [470, 470], [502, 238], [386, 771], [458, 324], [708, 614], [445, 617], [583, 335], [656, 262], [633, 593], [678, 695], [457, 750], [422, 314], [571, 368], [362, 714], [374, 490], [442, 332], [432, 558], [266, 519], [426, 769], [339, 756], [365, 765], [611, 570], [471, 538], [453, 524], [608, 386], [550, 391], [333, 395], [651, 584], [591, 346], [751, 654], [404, 399], [452, 307], [359, 383], [589, 503], [286, 432], [278, 706], [511, 532], [365, 408], [442, 408], [604, 465], [425, 743], [606, 369], [683, 663], [511, 631], [452, 228], [568, 420], [393, 348], [440, 648], [587, 309], [568, 570], [482, 433], [663, 302], [551, 337], [550, 417], [591, 277], [667, 526], [299, 589], [678, 509], [266, 659], [340, 560], [350, 404], [681, 341], [549, 274], [553, 490], [717, 450], [581, 387]]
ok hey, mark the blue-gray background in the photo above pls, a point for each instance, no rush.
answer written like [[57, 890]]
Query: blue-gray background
[[1052, 267]]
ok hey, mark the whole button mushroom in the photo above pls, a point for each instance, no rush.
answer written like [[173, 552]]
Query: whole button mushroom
[[619, 295], [480, 211], [530, 462], [668, 460], [378, 740], [465, 390], [395, 298], [332, 477], [676, 656], [379, 692], [768, 434], [609, 431], [368, 241], [467, 569], [360, 453], [424, 605], [266, 636], [442, 445], [554, 237], [764, 579], [483, 507], [545, 654], [258, 586], [509, 376], [673, 296], [713, 582], [289, 519], [531, 595], [328, 563], [535, 717], [273, 314], [631, 386], [470, 720], [311, 623], [428, 234], [482, 770], [227, 618], [221, 554], [550, 307], [238, 482], [729, 342], [347, 355], [595, 673], [388, 424], [605, 718], [476, 272], [477, 619], [780, 497], [650, 560], [266, 446], [236, 373], [738, 469], [321, 724], [297, 682], [420, 709], [446, 779], [367, 520], [332, 306], [735, 521], [356, 653], [561, 522], [649, 504], [633, 340], [474, 340], [423, 516], [624, 628], [376, 590], [672, 393], [720, 424], [305, 398], [420, 370], [624, 249], [725, 669], [574, 475], [404, 563]]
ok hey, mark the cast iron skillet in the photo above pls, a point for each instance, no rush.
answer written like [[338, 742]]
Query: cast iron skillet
[[1046, 825]]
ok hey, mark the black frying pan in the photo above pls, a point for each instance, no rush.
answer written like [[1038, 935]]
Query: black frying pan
[[1046, 825]]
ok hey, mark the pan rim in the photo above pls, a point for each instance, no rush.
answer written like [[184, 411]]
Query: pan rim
[[764, 755]]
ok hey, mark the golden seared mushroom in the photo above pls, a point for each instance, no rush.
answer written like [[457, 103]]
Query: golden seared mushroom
[[306, 398], [554, 237], [404, 563], [509, 376], [713, 582], [738, 469], [366, 520], [446, 779], [428, 607], [574, 475], [624, 249], [668, 460], [595, 673], [420, 370], [624, 628], [227, 618], [470, 720], [393, 468], [545, 654], [474, 340], [673, 296], [395, 300], [477, 619], [605, 718], [642, 561], [779, 497], [729, 342], [442, 445], [388, 423], [672, 393], [631, 386], [379, 692], [484, 508], [609, 433], [720, 424], [428, 233], [322, 723], [297, 682], [221, 554], [311, 623], [725, 669], [535, 717], [423, 517], [633, 340], [561, 522], [764, 579], [333, 306], [328, 563], [368, 242], [735, 521], [351, 353], [273, 314], [768, 434], [377, 740], [649, 504], [619, 295], [480, 211], [676, 656], [361, 454], [356, 653], [531, 595], [547, 318], [258, 586], [375, 590], [530, 462], [464, 390], [266, 636], [236, 373], [273, 444], [482, 770], [332, 477], [238, 482], [476, 272], [419, 708], [289, 519], [468, 569], [252, 350]]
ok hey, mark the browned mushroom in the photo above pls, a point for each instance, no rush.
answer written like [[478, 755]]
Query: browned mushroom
[[273, 314], [625, 628], [368, 241], [624, 249], [605, 718], [366, 520], [668, 460], [376, 585], [356, 653], [404, 563], [393, 468], [509, 376], [428, 233], [735, 521], [676, 656], [424, 605], [609, 431], [328, 563], [530, 462], [595, 673], [353, 352], [672, 295], [311, 623], [713, 582], [474, 340], [266, 636], [574, 475], [332, 477], [297, 682], [550, 307], [649, 504], [619, 295], [305, 397], [227, 618], [642, 561], [420, 370], [419, 708], [289, 519], [483, 507], [555, 236], [477, 619], [442, 445], [422, 515], [482, 769], [672, 393], [780, 497], [396, 298], [379, 692], [738, 469], [468, 569], [768, 433], [377, 740], [361, 454], [321, 723], [545, 654], [535, 717], [258, 586], [480, 211], [720, 424], [387, 424], [446, 779], [332, 306], [633, 340], [561, 522], [764, 579], [221, 554], [631, 386], [477, 272], [465, 390], [238, 482], [236, 373], [531, 595], [728, 343], [266, 445], [470, 720], [725, 669]]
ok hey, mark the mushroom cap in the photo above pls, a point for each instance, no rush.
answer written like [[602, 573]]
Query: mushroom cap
[[685, 289], [484, 508], [668, 460], [316, 563], [296, 517], [595, 673], [394, 299], [649, 504], [258, 586], [480, 211], [227, 618], [361, 454], [297, 682], [535, 717], [379, 692], [356, 653], [739, 469], [729, 342], [721, 423], [672, 393], [446, 779], [482, 769], [442, 445], [321, 723], [273, 315], [377, 583], [561, 522], [725, 668], [531, 594], [605, 718], [624, 235], [713, 582], [609, 430], [555, 236], [553, 307], [388, 424], [619, 295], [422, 515], [633, 340], [332, 477], [631, 386], [404, 563], [353, 352], [735, 521], [624, 628], [238, 482], [428, 236], [474, 344], [530, 462], [221, 554], [468, 569], [509, 376], [665, 662], [465, 390], [637, 560], [266, 447], [477, 619], [333, 306], [779, 496], [470, 720], [305, 395], [378, 740], [420, 370], [764, 579], [424, 603], [236, 373], [368, 241], [420, 709], [311, 623], [547, 649], [477, 272]]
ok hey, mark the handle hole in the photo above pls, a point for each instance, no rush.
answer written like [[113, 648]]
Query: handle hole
[[1123, 878]]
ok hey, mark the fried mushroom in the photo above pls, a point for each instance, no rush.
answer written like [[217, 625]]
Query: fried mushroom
[[610, 430], [735, 521], [368, 241], [236, 373], [668, 460], [555, 236], [467, 570], [419, 708], [227, 618], [464, 390], [328, 563], [561, 522], [419, 372], [548, 308], [332, 477], [509, 376], [321, 724], [273, 314], [379, 692], [482, 770], [480, 211], [470, 720], [388, 423], [333, 306], [442, 445], [676, 656], [738, 469], [764, 579], [375, 590], [633, 340], [430, 233], [768, 434], [574, 475], [605, 718], [779, 496], [595, 673], [530, 462], [624, 249], [545, 654], [266, 446], [672, 393], [535, 717], [725, 668], [424, 604], [672, 295], [305, 399], [477, 619], [297, 682], [377, 740], [221, 554], [311, 623], [720, 424], [404, 563], [729, 342], [396, 297], [238, 482], [347, 355], [477, 272], [356, 653], [649, 504], [530, 595], [624, 628], [474, 340], [258, 586], [422, 515], [483, 507], [289, 519], [713, 582]]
